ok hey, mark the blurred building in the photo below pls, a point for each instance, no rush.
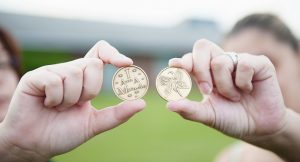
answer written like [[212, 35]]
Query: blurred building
[[150, 47]]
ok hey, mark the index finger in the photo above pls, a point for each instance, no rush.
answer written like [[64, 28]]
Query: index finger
[[203, 52], [108, 54]]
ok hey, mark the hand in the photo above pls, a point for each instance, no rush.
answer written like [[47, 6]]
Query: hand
[[246, 103], [51, 111]]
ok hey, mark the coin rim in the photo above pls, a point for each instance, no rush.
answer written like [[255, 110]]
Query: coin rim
[[156, 82], [112, 82]]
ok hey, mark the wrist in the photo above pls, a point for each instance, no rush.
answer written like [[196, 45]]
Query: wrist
[[284, 142], [276, 134], [10, 152]]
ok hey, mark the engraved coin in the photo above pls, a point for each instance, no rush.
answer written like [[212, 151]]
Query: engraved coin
[[173, 83], [130, 83]]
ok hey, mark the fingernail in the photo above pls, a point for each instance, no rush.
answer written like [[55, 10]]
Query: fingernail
[[128, 59], [170, 103], [125, 57], [142, 102], [172, 61], [205, 88]]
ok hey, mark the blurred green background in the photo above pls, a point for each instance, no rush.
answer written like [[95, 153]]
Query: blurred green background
[[154, 134], [151, 32]]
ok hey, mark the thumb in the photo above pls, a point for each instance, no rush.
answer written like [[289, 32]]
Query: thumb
[[110, 117], [196, 111]]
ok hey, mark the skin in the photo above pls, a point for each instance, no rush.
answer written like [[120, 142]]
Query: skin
[[247, 104], [286, 62], [250, 108], [248, 151], [8, 83], [51, 112]]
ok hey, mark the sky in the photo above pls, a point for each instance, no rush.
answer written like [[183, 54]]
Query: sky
[[162, 13]]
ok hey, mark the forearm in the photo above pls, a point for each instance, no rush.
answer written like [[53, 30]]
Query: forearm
[[12, 153], [285, 143]]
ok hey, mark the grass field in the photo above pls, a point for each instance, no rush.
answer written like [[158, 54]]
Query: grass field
[[153, 135]]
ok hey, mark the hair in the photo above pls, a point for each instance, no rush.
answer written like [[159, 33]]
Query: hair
[[270, 23], [13, 50]]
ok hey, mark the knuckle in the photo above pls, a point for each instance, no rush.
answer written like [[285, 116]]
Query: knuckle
[[187, 55], [76, 72], [244, 66], [27, 75], [266, 60], [263, 57], [46, 67], [199, 71], [32, 75], [202, 43], [101, 43], [217, 64], [269, 65], [53, 81], [95, 62]]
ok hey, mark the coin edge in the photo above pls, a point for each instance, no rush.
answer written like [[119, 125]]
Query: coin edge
[[156, 82], [112, 83]]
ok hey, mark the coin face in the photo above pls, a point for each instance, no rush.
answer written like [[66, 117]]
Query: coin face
[[130, 83], [173, 84]]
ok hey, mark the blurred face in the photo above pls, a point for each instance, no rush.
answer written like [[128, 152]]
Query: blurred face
[[255, 41], [8, 81]]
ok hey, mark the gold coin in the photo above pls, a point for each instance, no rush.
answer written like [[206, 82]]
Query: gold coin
[[130, 83], [173, 83]]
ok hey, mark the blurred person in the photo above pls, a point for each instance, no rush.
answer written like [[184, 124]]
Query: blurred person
[[242, 99], [10, 69], [50, 111], [256, 34], [267, 34]]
